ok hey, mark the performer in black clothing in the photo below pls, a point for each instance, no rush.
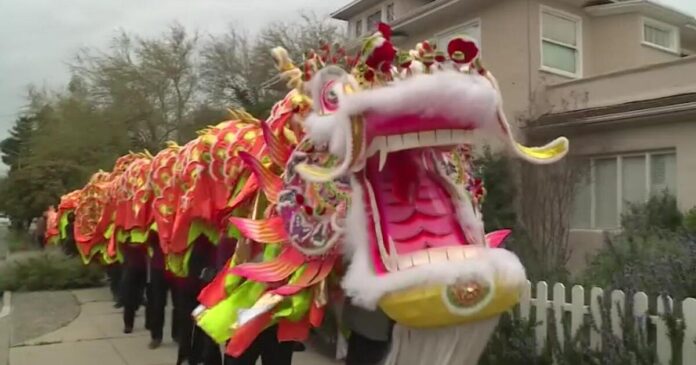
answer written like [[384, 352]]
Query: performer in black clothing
[[266, 347], [157, 290], [114, 273], [69, 246], [195, 346], [133, 282], [370, 335]]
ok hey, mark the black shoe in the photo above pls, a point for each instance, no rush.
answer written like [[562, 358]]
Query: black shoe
[[128, 330], [118, 305], [155, 343], [298, 347]]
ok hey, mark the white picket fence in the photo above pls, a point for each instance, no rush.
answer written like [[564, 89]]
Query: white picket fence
[[578, 308]]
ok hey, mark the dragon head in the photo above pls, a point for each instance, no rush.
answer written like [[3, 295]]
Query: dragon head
[[385, 176]]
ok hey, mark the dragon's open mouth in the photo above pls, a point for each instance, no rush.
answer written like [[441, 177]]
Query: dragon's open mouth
[[413, 203]]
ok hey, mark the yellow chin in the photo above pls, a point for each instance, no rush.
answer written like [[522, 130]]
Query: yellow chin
[[463, 302]]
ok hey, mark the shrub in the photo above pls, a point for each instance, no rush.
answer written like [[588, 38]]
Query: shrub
[[659, 213], [690, 221], [654, 253], [49, 271]]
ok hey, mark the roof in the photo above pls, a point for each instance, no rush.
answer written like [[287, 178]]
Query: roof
[[635, 111], [353, 8], [651, 8]]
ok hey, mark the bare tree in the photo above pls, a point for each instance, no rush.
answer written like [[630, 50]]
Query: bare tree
[[545, 205], [236, 66], [149, 85]]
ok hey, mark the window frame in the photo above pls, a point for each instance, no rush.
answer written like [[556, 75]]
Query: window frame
[[671, 29], [359, 28], [379, 10], [466, 24], [647, 156], [543, 9], [387, 7]]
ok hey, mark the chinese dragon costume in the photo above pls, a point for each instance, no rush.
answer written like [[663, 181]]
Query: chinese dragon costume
[[363, 175]]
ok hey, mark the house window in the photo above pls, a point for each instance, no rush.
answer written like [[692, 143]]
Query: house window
[[613, 183], [358, 28], [471, 29], [373, 20], [660, 35], [560, 42], [390, 12]]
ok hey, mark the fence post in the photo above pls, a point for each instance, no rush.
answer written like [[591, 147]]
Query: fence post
[[595, 311], [559, 301], [541, 303], [577, 309], [526, 300], [689, 347], [618, 308], [640, 313], [664, 347]]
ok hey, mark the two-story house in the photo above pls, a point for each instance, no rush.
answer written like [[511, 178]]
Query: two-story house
[[616, 77]]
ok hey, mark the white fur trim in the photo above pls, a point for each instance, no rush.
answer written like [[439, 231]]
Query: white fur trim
[[329, 129], [446, 93], [366, 288]]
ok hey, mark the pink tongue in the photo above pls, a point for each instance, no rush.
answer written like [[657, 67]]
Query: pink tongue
[[416, 212]]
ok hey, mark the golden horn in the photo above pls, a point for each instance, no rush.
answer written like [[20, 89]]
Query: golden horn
[[287, 69]]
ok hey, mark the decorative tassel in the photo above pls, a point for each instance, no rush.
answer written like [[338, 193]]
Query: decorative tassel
[[316, 314], [245, 335], [293, 331]]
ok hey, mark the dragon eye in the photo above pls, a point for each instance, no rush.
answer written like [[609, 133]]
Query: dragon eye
[[329, 97]]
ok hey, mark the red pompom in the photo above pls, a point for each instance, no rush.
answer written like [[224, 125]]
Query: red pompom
[[462, 50], [385, 29]]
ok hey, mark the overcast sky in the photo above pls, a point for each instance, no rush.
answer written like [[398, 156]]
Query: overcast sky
[[38, 36]]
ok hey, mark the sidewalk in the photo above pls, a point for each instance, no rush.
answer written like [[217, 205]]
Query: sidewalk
[[95, 337]]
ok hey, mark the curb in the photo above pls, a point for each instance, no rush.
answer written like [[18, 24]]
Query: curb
[[7, 304]]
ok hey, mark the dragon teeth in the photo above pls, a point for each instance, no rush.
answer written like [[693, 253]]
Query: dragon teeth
[[385, 145], [383, 153]]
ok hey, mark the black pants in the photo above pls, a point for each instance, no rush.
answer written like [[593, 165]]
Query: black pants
[[132, 287], [364, 351], [195, 346], [267, 347], [156, 293], [113, 272]]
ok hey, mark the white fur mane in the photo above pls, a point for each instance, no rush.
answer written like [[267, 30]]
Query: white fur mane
[[443, 93]]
